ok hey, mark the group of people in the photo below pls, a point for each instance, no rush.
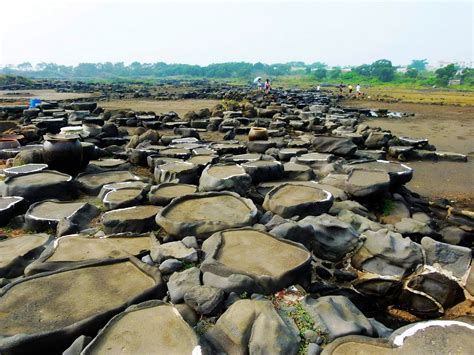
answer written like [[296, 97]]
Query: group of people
[[263, 86], [350, 89]]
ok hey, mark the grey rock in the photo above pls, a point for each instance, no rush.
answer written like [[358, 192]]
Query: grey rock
[[412, 226], [333, 238], [387, 253], [337, 316], [204, 299], [334, 145], [169, 266], [252, 326], [174, 250], [454, 259], [181, 282]]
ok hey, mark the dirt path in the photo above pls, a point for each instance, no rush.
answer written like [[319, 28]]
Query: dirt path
[[449, 128]]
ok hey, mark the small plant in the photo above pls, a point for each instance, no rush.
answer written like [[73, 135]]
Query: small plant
[[387, 207], [243, 295]]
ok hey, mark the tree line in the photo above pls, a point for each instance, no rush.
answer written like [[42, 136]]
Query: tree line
[[381, 70]]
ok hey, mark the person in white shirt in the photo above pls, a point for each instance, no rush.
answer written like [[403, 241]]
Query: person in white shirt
[[318, 88], [358, 89]]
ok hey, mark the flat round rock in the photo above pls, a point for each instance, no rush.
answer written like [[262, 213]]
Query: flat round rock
[[228, 176], [137, 219], [366, 183], [399, 173], [24, 169], [46, 184], [152, 327], [122, 198], [271, 263], [202, 214], [162, 194], [182, 171], [288, 200], [93, 183]]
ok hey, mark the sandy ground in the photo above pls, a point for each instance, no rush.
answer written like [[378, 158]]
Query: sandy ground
[[178, 106], [449, 128], [26, 95]]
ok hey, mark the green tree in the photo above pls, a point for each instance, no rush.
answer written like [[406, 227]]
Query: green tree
[[335, 73], [25, 66], [383, 70], [443, 75], [418, 64], [411, 73], [320, 73]]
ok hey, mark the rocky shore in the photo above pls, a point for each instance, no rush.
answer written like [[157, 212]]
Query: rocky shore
[[146, 232]]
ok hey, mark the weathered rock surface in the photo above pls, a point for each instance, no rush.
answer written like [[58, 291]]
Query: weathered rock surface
[[202, 214], [149, 327], [55, 318], [9, 207], [251, 326], [225, 177], [17, 253], [137, 219], [272, 264], [91, 184], [288, 200]]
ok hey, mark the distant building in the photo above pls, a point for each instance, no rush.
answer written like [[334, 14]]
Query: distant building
[[454, 82], [402, 70]]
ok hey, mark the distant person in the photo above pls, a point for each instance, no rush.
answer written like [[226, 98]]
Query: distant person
[[318, 88], [267, 86], [358, 90], [350, 88], [341, 88], [259, 84]]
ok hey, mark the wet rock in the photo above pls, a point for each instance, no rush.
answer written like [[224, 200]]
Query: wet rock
[[252, 326], [137, 219], [452, 258], [274, 263], [337, 316]]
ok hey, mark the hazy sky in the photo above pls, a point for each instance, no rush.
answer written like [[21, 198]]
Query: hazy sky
[[203, 32]]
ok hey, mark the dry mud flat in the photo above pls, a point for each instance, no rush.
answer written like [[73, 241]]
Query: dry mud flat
[[180, 235], [449, 128]]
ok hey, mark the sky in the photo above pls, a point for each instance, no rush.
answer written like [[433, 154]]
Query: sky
[[336, 32]]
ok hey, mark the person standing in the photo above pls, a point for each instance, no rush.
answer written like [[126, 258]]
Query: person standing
[[267, 86], [358, 90], [341, 88], [318, 88], [350, 88]]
